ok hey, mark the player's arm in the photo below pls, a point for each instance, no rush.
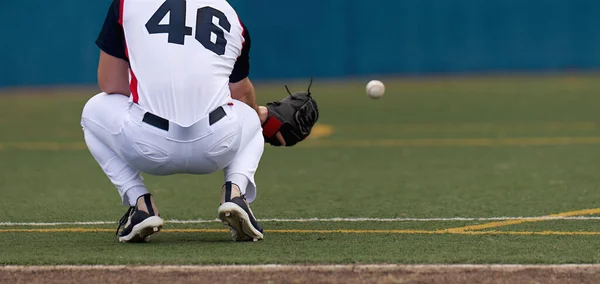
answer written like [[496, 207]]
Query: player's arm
[[240, 85], [244, 91], [113, 66], [113, 74]]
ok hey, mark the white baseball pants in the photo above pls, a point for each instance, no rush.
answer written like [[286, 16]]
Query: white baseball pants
[[124, 145]]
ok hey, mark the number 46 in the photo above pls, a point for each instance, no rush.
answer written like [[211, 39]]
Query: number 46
[[204, 25]]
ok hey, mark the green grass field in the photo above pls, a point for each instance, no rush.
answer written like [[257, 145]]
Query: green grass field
[[433, 149]]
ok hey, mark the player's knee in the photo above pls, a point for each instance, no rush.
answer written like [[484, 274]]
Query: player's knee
[[102, 104], [93, 106]]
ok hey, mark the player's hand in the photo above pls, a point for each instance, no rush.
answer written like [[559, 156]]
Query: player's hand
[[263, 114]]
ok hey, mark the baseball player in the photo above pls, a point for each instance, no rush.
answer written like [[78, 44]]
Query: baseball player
[[176, 98]]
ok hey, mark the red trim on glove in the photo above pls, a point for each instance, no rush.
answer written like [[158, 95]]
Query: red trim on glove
[[271, 126]]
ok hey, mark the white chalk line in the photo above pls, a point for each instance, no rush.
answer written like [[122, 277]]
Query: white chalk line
[[588, 268], [313, 220]]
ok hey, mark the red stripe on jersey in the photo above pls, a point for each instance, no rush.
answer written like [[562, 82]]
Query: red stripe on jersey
[[243, 33], [126, 49], [121, 5], [133, 86], [133, 83], [121, 11]]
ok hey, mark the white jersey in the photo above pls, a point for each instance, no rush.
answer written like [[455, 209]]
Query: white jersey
[[181, 55]]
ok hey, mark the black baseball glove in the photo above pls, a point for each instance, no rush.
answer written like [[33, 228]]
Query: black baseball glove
[[293, 117]]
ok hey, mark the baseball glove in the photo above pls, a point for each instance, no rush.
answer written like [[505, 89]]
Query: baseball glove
[[293, 116]]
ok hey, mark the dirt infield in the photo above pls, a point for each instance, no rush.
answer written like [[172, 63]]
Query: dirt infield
[[304, 274]]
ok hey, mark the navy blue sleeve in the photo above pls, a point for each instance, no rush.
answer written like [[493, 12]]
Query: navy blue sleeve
[[111, 38], [241, 69]]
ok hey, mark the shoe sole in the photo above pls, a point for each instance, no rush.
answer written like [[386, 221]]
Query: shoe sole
[[142, 231], [235, 217]]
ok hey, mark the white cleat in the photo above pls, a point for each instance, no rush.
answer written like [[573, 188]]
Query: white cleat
[[238, 217], [142, 231]]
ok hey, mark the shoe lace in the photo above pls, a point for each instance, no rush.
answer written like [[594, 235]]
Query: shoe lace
[[124, 219]]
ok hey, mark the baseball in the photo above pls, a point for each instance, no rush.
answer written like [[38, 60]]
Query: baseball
[[375, 89]]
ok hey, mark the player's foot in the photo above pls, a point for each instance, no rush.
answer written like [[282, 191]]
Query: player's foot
[[236, 214], [140, 221]]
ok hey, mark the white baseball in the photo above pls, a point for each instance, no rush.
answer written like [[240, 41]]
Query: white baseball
[[375, 89]]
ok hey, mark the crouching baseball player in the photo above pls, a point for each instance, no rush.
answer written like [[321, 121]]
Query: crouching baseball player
[[176, 98]]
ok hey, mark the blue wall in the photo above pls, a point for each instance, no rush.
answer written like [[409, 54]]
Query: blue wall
[[52, 42]]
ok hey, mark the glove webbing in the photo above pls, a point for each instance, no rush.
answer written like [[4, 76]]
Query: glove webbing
[[273, 124]]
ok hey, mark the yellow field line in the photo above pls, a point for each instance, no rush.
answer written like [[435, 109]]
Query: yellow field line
[[453, 142], [47, 146], [475, 127], [521, 221], [294, 231], [361, 143], [542, 233]]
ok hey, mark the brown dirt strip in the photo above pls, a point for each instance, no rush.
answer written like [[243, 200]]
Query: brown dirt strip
[[304, 274]]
